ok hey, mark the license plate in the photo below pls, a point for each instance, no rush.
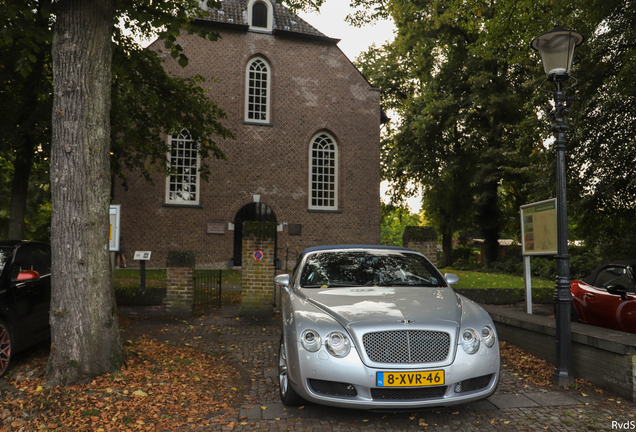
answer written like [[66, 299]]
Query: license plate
[[410, 379]]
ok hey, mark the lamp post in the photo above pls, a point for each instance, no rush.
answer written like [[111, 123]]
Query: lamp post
[[556, 48]]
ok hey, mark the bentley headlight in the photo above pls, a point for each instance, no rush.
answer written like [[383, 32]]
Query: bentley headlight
[[338, 344], [470, 341], [488, 336], [310, 340]]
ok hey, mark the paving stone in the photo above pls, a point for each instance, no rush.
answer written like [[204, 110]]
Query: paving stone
[[252, 346], [251, 412], [551, 398], [511, 401], [274, 411]]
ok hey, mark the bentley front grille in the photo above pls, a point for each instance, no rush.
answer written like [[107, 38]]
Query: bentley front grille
[[407, 346]]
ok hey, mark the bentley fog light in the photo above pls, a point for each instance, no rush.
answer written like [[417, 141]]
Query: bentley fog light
[[488, 336], [337, 344], [310, 340], [470, 341]]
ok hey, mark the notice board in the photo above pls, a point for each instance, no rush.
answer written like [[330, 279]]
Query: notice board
[[539, 228]]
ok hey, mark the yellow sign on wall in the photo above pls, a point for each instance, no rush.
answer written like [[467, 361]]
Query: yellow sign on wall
[[539, 228]]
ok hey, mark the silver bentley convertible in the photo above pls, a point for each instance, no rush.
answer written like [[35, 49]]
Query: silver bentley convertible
[[378, 327]]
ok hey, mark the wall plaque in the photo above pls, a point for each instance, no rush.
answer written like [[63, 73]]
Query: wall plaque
[[216, 227]]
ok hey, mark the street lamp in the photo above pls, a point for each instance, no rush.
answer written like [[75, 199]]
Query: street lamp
[[557, 53]]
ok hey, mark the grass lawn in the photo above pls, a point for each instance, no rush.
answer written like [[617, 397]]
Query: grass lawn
[[470, 279]]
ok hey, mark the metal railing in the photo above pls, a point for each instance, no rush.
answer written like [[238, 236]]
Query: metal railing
[[207, 288]]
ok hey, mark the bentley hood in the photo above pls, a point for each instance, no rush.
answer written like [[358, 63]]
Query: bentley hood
[[385, 307]]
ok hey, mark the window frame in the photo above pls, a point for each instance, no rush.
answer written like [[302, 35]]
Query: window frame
[[268, 95], [336, 180], [270, 16], [172, 139]]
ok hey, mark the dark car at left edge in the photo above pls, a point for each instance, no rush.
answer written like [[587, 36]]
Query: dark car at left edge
[[25, 297]]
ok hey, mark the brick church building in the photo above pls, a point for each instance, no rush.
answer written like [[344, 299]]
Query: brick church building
[[306, 153]]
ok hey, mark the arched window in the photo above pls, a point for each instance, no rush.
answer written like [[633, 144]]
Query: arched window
[[182, 183], [323, 175], [257, 91], [260, 15]]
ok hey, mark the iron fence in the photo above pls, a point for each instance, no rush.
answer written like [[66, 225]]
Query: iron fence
[[207, 288]]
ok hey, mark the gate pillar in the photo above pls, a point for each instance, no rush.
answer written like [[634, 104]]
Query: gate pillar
[[257, 293], [180, 283]]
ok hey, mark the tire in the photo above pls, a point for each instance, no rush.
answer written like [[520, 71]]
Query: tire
[[6, 347], [288, 395]]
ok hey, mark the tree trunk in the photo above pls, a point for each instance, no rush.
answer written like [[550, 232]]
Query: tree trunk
[[85, 334], [447, 248], [489, 221]]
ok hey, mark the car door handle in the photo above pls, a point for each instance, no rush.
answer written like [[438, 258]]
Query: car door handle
[[589, 295]]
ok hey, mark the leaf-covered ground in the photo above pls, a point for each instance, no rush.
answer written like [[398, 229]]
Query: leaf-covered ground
[[534, 369], [161, 388]]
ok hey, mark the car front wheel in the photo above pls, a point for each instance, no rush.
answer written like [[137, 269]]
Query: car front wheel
[[5, 347], [288, 395]]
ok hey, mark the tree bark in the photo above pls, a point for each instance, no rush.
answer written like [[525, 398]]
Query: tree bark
[[85, 334], [447, 248]]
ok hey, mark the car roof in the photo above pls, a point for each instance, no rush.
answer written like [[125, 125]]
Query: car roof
[[356, 246], [621, 263]]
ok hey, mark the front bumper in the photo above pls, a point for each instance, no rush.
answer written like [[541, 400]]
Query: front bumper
[[347, 382]]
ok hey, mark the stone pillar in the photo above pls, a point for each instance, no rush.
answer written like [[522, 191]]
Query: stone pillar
[[180, 283], [257, 295], [421, 239]]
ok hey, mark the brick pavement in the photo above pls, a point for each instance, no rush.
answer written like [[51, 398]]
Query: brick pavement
[[517, 405]]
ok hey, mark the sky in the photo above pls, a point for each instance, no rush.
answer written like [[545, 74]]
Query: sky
[[330, 21]]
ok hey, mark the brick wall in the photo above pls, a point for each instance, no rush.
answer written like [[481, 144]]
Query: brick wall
[[179, 291], [314, 88], [421, 239], [257, 296]]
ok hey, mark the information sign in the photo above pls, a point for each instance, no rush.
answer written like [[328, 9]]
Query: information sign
[[114, 214], [142, 255], [539, 228]]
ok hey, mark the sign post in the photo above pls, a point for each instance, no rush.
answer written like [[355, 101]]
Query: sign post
[[538, 237], [142, 257]]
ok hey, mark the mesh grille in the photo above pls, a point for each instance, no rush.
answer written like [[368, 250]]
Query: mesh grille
[[332, 388], [405, 394], [473, 384], [407, 346]]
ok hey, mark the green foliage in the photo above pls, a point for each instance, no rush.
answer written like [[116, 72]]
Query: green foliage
[[180, 259], [146, 102], [463, 81], [394, 219]]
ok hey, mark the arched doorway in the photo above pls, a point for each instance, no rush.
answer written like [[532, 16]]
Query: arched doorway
[[255, 211]]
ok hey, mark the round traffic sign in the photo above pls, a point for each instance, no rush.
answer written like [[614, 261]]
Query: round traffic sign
[[258, 255]]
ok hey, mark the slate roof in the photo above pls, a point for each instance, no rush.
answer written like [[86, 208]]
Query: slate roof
[[234, 12]]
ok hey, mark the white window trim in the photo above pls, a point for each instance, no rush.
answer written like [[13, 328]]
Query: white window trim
[[336, 173], [270, 16], [198, 174], [247, 91]]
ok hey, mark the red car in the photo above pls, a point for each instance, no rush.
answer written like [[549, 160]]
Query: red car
[[607, 298]]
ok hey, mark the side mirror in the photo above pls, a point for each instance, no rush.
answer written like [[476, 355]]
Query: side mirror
[[618, 290], [451, 279], [283, 280], [25, 275]]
